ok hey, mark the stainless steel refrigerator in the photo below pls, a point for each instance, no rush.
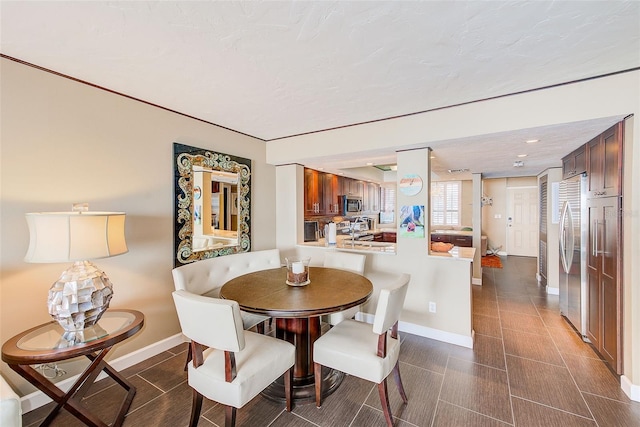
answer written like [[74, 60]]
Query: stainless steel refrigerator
[[574, 231]]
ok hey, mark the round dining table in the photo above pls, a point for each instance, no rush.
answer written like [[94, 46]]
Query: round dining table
[[297, 310]]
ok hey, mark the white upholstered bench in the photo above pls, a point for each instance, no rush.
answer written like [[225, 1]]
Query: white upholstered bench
[[206, 277], [10, 409]]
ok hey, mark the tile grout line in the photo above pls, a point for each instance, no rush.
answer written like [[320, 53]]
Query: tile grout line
[[569, 372], [504, 355]]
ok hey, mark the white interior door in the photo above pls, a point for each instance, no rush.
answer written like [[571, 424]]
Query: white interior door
[[522, 221]]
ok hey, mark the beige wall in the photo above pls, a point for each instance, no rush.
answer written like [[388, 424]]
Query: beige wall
[[466, 217], [65, 142]]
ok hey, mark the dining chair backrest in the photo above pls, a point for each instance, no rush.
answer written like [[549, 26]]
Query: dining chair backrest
[[213, 322], [207, 276], [345, 261], [390, 304]]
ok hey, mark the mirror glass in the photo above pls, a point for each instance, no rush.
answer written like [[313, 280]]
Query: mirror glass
[[212, 204]]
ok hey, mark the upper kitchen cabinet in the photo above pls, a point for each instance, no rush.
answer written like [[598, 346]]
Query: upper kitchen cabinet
[[313, 192], [574, 163], [330, 193], [352, 187], [604, 163], [371, 199]]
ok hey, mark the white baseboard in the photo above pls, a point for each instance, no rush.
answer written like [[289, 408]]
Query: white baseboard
[[553, 291], [425, 331], [476, 281], [37, 398], [436, 334], [630, 389]]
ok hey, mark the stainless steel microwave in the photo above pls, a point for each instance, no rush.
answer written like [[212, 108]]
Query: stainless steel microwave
[[351, 204]]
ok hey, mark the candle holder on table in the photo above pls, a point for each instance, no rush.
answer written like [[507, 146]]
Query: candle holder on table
[[298, 271]]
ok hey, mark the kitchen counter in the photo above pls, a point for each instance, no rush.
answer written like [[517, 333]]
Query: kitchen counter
[[460, 253], [367, 246], [344, 242]]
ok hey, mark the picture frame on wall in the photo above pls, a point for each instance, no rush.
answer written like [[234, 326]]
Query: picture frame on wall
[[411, 223]]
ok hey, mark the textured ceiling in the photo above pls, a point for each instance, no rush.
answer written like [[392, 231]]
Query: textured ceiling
[[276, 69]]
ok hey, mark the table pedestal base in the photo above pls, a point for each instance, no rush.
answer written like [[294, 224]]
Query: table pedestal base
[[302, 332]]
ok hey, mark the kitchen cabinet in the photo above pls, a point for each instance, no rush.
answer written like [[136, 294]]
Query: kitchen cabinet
[[352, 187], [604, 284], [313, 192], [389, 237], [459, 240], [574, 163], [371, 199], [604, 163], [330, 194]]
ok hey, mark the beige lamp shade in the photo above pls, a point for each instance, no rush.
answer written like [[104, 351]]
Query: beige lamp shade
[[82, 293], [74, 236]]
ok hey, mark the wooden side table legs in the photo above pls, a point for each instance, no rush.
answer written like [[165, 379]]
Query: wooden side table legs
[[71, 400]]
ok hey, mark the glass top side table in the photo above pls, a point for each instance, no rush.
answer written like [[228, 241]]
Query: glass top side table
[[49, 343]]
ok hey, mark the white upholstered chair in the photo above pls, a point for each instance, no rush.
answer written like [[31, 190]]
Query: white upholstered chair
[[352, 348], [206, 277], [238, 364], [343, 261]]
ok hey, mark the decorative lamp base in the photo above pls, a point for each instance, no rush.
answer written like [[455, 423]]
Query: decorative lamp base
[[80, 296]]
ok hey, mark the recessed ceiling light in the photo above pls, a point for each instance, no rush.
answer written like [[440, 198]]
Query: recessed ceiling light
[[369, 164], [522, 155], [532, 141], [320, 169]]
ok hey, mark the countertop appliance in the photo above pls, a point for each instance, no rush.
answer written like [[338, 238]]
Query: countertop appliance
[[351, 205], [573, 237], [311, 231]]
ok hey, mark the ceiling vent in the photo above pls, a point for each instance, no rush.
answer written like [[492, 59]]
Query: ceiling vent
[[457, 170], [518, 164]]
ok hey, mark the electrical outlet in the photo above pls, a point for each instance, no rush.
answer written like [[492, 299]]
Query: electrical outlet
[[432, 307]]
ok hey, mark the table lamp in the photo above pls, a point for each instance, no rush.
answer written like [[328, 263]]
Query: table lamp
[[82, 294]]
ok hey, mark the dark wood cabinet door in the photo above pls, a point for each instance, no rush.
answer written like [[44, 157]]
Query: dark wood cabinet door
[[604, 170], [574, 163], [312, 192], [330, 193], [604, 317], [611, 291]]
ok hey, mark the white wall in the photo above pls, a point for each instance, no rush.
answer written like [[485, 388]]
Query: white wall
[[65, 142]]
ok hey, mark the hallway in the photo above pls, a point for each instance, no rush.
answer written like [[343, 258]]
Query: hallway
[[528, 368]]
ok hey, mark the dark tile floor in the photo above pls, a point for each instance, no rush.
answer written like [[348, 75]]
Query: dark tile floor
[[528, 368]]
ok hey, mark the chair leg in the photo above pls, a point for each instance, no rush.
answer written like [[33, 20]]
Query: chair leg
[[288, 381], [196, 406], [317, 373], [229, 416], [396, 376], [384, 401], [189, 357]]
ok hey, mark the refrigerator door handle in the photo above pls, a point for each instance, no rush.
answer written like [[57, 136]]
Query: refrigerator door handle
[[563, 238], [594, 239]]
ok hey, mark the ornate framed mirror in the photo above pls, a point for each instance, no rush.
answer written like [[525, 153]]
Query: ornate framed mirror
[[212, 211]]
